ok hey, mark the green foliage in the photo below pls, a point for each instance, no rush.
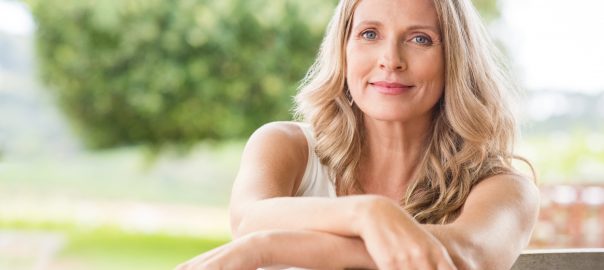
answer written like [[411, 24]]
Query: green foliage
[[155, 72]]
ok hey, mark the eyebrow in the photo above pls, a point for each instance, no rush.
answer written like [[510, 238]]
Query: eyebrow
[[412, 27]]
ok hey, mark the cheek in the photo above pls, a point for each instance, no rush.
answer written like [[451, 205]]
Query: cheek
[[429, 72], [358, 64], [351, 61], [438, 80], [430, 69]]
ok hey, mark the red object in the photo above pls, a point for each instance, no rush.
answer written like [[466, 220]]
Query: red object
[[571, 216]]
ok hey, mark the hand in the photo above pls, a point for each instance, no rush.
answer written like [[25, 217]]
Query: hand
[[396, 241], [242, 253]]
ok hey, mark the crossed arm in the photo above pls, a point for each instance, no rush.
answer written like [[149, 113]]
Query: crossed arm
[[365, 231]]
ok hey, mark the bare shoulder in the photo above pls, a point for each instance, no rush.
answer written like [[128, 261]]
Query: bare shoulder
[[272, 165], [273, 161], [502, 199], [277, 140], [284, 131], [510, 187]]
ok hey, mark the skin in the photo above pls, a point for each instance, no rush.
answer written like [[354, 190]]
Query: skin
[[394, 42], [371, 230]]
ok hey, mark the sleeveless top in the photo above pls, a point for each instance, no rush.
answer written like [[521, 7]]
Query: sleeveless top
[[316, 181]]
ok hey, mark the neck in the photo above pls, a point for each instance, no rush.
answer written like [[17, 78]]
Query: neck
[[391, 155]]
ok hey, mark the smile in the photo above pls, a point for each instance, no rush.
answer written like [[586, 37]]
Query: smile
[[390, 88]]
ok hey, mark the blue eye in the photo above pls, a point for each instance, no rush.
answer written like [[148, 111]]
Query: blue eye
[[369, 35], [422, 40]]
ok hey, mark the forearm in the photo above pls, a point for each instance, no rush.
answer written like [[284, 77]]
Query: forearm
[[314, 250], [461, 250], [333, 215]]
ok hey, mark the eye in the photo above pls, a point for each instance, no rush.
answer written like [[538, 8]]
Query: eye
[[422, 40], [369, 35]]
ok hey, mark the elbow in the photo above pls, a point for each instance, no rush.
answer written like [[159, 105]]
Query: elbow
[[466, 261], [483, 255], [240, 226], [246, 220], [239, 230], [482, 263], [476, 257], [468, 255], [236, 224]]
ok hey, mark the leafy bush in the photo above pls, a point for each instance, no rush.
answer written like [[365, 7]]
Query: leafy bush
[[154, 72]]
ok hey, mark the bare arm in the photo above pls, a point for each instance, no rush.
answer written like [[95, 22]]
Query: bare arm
[[495, 224], [315, 250], [282, 248], [493, 227], [272, 166], [333, 215]]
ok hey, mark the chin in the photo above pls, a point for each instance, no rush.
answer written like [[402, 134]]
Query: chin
[[389, 115]]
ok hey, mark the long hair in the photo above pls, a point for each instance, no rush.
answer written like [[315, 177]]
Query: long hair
[[472, 132]]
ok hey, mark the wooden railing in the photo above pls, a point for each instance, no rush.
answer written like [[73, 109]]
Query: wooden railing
[[561, 259]]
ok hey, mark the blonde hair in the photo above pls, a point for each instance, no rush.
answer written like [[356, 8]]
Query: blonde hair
[[473, 128]]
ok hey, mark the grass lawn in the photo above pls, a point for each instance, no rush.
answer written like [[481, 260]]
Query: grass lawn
[[33, 189], [201, 178], [112, 248]]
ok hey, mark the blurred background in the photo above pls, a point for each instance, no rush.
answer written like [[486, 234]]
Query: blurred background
[[122, 121]]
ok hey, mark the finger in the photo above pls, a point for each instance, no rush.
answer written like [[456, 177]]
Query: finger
[[447, 265], [194, 262], [421, 264], [227, 257], [380, 257], [390, 261]]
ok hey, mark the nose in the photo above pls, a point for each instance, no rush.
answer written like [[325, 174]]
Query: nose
[[392, 57]]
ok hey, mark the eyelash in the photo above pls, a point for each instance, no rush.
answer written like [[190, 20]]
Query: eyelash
[[427, 43], [368, 31]]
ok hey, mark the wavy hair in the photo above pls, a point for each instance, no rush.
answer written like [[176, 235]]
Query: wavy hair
[[472, 132]]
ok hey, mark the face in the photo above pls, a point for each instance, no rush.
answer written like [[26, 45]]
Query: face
[[395, 62]]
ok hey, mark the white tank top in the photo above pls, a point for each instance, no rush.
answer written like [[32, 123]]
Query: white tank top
[[316, 181]]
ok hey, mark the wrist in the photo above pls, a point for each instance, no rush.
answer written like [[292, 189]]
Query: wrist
[[364, 213], [262, 243]]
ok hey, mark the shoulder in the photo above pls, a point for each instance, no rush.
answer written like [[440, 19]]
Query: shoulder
[[281, 129], [275, 154], [272, 164], [283, 137], [515, 186], [505, 195]]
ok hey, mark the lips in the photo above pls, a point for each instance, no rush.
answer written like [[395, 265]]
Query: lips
[[390, 88]]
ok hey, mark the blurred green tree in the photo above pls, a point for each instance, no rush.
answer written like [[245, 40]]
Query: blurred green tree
[[153, 72], [488, 9]]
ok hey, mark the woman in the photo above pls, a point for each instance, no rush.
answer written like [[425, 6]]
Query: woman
[[405, 162]]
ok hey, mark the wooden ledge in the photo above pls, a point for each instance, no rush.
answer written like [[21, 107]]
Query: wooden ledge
[[558, 259]]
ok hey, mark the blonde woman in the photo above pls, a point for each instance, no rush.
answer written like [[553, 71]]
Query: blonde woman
[[403, 160]]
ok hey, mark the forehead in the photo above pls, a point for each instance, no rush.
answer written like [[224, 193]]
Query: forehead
[[398, 12]]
